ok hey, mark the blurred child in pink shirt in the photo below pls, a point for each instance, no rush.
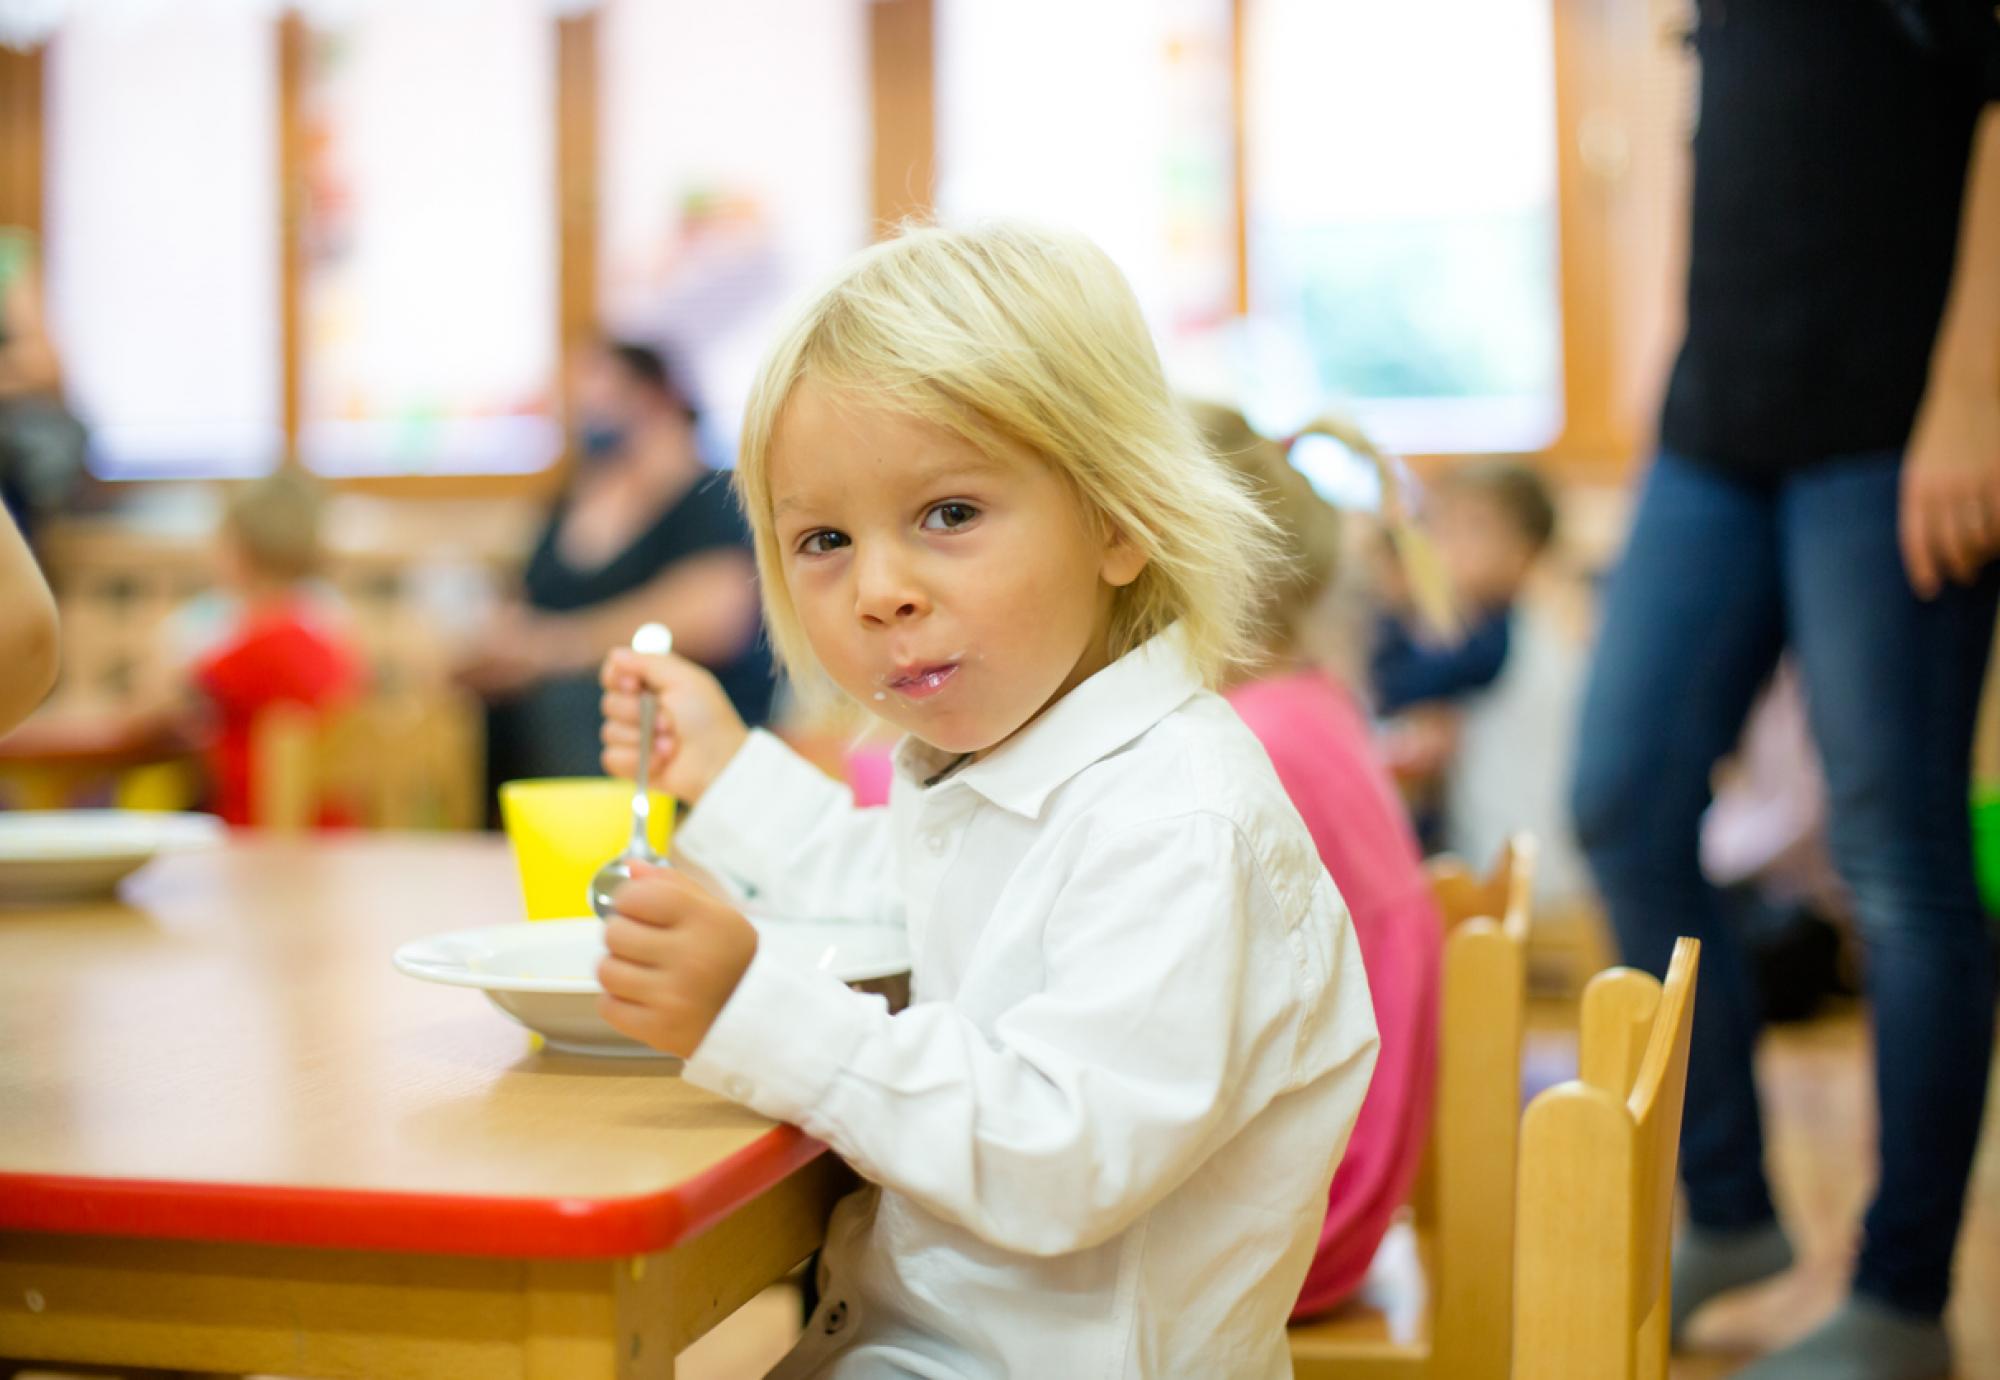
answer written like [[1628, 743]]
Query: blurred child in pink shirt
[[1318, 738]]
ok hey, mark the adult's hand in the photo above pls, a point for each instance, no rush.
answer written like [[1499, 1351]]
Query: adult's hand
[[508, 655], [1949, 520]]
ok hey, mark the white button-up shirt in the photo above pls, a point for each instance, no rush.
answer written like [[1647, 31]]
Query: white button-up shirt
[[1099, 1139]]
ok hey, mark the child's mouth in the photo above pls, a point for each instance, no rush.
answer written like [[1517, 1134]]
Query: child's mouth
[[924, 681]]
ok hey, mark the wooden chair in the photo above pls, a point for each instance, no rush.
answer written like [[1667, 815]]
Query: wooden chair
[[1597, 1186], [389, 762], [1452, 1319]]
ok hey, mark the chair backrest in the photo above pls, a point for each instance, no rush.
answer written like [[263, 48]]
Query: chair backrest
[[403, 762], [1471, 1173], [1598, 1157]]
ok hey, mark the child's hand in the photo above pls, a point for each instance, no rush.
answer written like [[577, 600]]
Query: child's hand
[[1421, 742], [675, 955], [695, 734]]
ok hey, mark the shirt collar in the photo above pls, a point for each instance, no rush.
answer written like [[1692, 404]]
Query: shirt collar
[[1088, 724]]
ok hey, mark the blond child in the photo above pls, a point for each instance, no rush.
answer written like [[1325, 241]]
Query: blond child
[[1099, 1139]]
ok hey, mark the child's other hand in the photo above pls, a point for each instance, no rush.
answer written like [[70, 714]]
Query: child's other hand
[[695, 733], [675, 955], [1420, 743]]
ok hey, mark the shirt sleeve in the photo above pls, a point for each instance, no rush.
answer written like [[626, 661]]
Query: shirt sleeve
[[1406, 672], [1178, 1002], [791, 839]]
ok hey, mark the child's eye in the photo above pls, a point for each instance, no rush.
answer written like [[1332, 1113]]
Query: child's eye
[[946, 516], [822, 542]]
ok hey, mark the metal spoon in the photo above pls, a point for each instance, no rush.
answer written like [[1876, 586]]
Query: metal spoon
[[652, 639]]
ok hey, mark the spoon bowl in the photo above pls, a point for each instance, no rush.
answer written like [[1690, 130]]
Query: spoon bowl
[[608, 878]]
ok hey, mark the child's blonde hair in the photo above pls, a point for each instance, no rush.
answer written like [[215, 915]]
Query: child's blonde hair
[[275, 521], [1309, 527], [1020, 339]]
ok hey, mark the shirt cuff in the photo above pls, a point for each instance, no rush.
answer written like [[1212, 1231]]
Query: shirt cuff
[[780, 1039], [765, 793]]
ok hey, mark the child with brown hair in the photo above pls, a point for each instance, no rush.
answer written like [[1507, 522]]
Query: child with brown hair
[[1481, 723], [1493, 520], [266, 636]]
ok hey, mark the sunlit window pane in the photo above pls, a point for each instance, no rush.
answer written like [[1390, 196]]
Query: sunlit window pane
[[1403, 212], [430, 281], [1112, 118], [162, 236], [734, 159]]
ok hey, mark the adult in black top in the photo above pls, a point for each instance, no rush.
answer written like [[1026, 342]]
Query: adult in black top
[[645, 532], [1829, 174], [41, 443], [1827, 487]]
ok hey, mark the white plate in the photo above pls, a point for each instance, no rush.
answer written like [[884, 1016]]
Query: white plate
[[72, 855], [543, 973]]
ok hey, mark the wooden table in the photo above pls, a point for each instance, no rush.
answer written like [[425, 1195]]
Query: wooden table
[[234, 1138]]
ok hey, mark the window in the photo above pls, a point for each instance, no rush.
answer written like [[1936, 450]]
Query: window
[[1402, 213], [734, 173], [1112, 118], [430, 335], [162, 236]]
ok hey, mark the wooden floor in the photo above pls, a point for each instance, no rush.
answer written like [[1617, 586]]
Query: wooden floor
[[1820, 1129]]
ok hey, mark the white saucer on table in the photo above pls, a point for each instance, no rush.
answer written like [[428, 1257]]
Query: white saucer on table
[[543, 973], [79, 855]]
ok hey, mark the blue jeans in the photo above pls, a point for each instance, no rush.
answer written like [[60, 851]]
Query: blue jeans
[[1718, 578]]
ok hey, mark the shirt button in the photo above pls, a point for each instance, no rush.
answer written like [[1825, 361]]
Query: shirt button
[[935, 842], [739, 1089]]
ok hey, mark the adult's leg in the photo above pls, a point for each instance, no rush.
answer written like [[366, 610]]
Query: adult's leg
[[1692, 626], [1892, 689]]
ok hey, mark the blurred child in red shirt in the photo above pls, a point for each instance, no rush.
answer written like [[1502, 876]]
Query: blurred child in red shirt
[[269, 635]]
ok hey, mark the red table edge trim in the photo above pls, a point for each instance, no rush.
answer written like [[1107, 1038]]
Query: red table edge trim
[[420, 1223]]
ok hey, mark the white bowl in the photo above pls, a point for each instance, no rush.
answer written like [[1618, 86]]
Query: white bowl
[[74, 855], [543, 973]]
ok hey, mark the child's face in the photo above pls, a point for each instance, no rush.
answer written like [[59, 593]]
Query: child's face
[[1485, 554], [955, 594]]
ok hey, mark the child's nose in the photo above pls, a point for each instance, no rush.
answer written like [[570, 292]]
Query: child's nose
[[886, 593]]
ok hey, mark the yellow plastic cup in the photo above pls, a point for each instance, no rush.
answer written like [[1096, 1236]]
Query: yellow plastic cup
[[564, 828]]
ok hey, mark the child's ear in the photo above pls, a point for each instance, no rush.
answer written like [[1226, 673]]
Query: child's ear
[[1123, 560]]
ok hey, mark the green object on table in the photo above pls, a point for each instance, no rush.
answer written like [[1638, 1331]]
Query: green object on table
[[1986, 843]]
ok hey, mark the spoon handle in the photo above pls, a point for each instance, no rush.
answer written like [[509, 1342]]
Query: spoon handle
[[642, 798]]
